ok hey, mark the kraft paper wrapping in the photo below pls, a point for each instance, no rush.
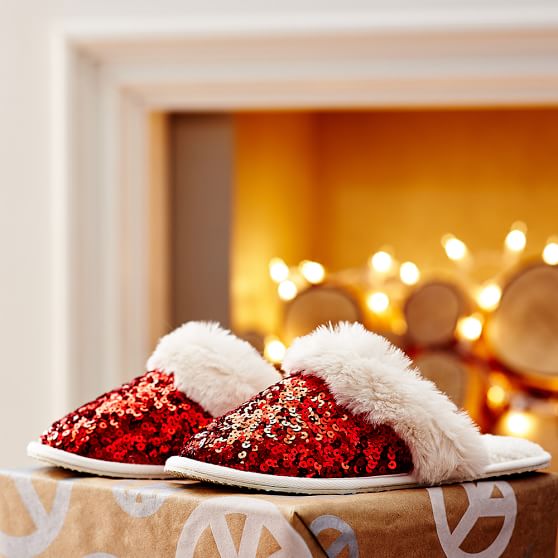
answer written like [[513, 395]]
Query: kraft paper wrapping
[[53, 513]]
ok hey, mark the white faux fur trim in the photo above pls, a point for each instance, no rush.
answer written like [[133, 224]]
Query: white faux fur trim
[[368, 375], [212, 366]]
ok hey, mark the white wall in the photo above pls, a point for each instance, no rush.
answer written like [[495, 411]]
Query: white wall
[[25, 246]]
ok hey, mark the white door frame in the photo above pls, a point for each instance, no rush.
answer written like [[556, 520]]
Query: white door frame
[[106, 77]]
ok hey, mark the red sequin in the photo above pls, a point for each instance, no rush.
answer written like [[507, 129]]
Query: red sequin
[[143, 422], [295, 428]]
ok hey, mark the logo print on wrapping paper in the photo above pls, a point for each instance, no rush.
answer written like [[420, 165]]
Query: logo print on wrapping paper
[[142, 500], [481, 504], [48, 524], [259, 514], [346, 539]]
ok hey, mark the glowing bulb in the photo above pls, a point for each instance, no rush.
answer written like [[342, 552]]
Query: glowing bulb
[[518, 423], [496, 396], [378, 302], [287, 290], [278, 270], [516, 239], [489, 296], [381, 261], [550, 253], [313, 272], [470, 327], [274, 350], [409, 273], [398, 325], [455, 249]]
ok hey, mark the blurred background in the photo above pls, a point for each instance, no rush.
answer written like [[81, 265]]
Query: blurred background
[[274, 169]]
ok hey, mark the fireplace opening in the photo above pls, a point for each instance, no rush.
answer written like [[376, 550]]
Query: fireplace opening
[[435, 228]]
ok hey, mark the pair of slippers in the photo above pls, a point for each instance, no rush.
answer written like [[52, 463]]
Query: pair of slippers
[[351, 415]]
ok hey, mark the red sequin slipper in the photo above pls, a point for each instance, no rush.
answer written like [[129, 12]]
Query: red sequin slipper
[[353, 415], [197, 372]]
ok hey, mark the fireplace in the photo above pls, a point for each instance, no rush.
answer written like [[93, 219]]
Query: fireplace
[[337, 186], [336, 140], [380, 202]]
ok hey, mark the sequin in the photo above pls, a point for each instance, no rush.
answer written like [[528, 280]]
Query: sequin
[[144, 422], [295, 428]]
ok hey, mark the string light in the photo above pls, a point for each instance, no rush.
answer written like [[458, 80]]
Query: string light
[[456, 249], [274, 350], [470, 327], [516, 239], [287, 290], [489, 296], [409, 273], [381, 261], [378, 302], [499, 390], [398, 325], [518, 423], [496, 396], [501, 394], [550, 252], [313, 272], [278, 270]]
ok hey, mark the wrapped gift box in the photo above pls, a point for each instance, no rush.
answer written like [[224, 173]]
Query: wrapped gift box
[[54, 513]]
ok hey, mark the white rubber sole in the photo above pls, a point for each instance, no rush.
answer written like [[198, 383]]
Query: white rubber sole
[[192, 469], [74, 462]]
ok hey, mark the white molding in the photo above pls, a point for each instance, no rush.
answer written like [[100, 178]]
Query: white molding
[[134, 256], [59, 225], [417, 59], [98, 224], [415, 16], [107, 75]]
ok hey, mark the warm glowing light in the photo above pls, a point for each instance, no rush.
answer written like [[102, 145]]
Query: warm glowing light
[[398, 325], [489, 296], [496, 396], [278, 270], [313, 272], [381, 261], [498, 393], [516, 239], [550, 252], [470, 327], [377, 302], [455, 249], [409, 273], [518, 423], [274, 350], [287, 290]]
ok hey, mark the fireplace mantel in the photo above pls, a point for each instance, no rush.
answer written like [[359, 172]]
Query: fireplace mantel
[[107, 77]]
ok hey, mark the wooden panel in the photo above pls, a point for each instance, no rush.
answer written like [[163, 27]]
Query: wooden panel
[[274, 208], [201, 186], [405, 178], [160, 316]]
